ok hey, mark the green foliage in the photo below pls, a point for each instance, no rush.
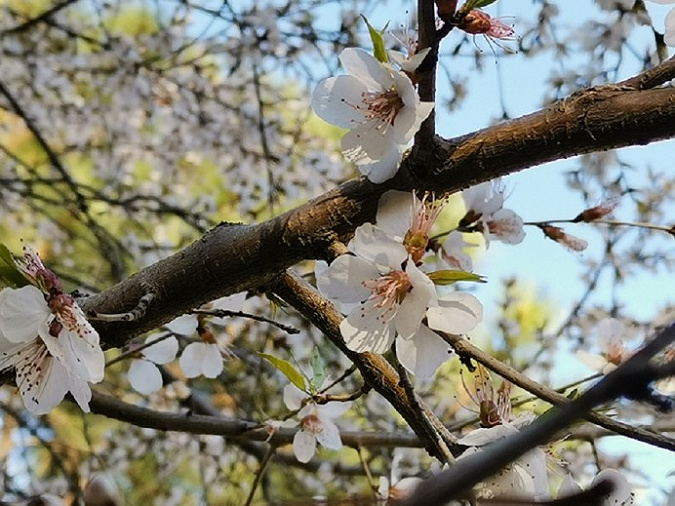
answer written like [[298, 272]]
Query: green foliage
[[10, 275], [448, 277], [318, 369], [379, 51], [476, 4], [287, 369]]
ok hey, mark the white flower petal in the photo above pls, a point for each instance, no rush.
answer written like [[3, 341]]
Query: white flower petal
[[374, 244], [406, 123], [232, 302], [9, 352], [593, 361], [456, 313], [22, 312], [80, 391], [368, 142], [367, 329], [212, 361], [414, 305], [328, 435], [184, 325], [84, 357], [42, 380], [367, 69], [483, 436], [343, 279], [506, 226], [144, 377], [621, 493], [304, 446], [293, 397], [382, 170], [423, 353], [332, 410], [394, 213], [163, 351], [338, 101], [568, 487], [669, 36], [198, 359], [610, 332]]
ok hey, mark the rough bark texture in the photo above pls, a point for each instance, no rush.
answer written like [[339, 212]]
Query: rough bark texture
[[235, 257]]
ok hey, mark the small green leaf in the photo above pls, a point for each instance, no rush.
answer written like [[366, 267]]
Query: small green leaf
[[318, 369], [483, 3], [287, 369], [476, 4], [9, 272], [448, 277], [378, 42]]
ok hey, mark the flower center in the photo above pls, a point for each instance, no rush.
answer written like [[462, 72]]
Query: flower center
[[311, 423], [390, 288], [383, 106]]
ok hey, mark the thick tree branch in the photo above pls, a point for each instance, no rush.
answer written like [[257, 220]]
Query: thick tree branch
[[235, 257]]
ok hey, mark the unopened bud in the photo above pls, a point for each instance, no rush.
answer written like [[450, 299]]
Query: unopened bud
[[597, 212], [567, 240]]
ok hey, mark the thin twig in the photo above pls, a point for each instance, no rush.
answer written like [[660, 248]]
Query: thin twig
[[462, 346], [258, 476], [224, 313]]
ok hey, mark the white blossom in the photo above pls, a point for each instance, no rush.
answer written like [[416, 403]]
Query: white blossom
[[200, 359], [52, 346], [385, 294], [611, 336], [143, 374], [484, 210], [378, 104], [204, 357], [316, 423]]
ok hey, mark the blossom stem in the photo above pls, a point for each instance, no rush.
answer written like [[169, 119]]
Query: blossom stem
[[224, 313], [611, 223], [342, 377], [258, 476], [135, 350], [366, 468]]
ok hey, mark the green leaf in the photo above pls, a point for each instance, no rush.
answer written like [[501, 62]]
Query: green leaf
[[287, 369], [10, 275], [448, 277], [476, 4], [483, 3], [318, 369], [378, 42]]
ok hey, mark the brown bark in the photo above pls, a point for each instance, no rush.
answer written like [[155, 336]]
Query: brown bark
[[235, 257]]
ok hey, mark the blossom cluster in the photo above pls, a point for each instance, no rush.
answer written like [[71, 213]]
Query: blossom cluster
[[383, 287], [203, 357], [46, 338], [379, 105]]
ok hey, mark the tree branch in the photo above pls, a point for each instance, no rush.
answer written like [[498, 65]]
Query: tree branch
[[636, 372], [235, 257]]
